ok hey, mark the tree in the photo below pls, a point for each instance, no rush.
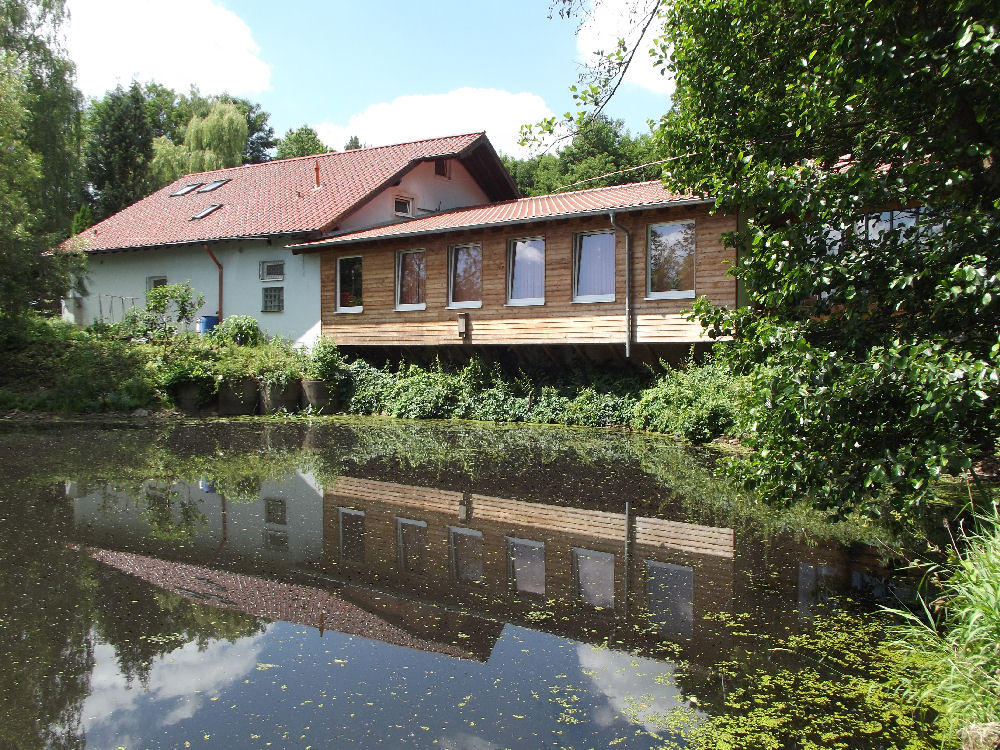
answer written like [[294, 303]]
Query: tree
[[260, 135], [213, 141], [303, 141], [352, 143], [119, 150], [872, 338]]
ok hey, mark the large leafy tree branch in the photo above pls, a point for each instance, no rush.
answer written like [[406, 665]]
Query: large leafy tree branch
[[873, 340]]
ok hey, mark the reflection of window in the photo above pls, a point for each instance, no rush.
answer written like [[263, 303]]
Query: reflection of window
[[594, 575], [670, 260], [272, 299], [526, 272], [349, 285], [465, 276], [275, 539], [154, 281], [275, 511], [816, 581], [411, 542], [670, 597], [466, 548], [594, 267], [526, 565], [352, 534], [410, 280]]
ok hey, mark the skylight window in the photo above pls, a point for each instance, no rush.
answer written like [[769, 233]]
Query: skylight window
[[186, 189], [206, 211], [213, 185]]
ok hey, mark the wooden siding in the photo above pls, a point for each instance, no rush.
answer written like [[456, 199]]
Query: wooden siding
[[559, 320]]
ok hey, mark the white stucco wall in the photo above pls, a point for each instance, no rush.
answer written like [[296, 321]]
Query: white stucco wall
[[117, 281]]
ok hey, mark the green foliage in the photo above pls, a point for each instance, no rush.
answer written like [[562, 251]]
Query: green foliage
[[325, 362], [880, 344], [277, 362], [173, 306], [951, 645], [699, 403], [242, 330], [82, 219], [303, 141], [215, 140], [119, 150], [352, 143]]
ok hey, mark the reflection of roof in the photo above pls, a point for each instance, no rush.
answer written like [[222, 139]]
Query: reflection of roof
[[281, 196], [273, 600], [543, 207]]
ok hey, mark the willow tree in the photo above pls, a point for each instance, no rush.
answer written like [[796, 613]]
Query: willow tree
[[859, 142], [213, 141]]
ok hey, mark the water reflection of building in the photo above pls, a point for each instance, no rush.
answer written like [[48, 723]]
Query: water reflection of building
[[506, 556]]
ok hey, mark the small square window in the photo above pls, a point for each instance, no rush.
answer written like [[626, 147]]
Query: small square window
[[154, 281], [277, 540], [594, 267], [349, 285], [272, 270], [275, 511], [272, 299], [402, 206]]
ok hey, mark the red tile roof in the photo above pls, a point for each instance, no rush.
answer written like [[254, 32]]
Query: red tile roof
[[275, 197], [543, 207]]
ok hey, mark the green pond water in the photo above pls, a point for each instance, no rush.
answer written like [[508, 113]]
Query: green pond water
[[378, 583]]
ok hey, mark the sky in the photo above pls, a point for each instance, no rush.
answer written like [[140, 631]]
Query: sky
[[387, 72]]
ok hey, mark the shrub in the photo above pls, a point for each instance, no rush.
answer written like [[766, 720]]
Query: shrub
[[277, 362], [592, 409], [419, 394], [325, 362], [368, 388], [241, 330]]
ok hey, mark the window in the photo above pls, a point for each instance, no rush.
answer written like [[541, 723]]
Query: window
[[275, 511], [352, 534], [526, 565], [349, 285], [206, 211], [402, 206], [186, 189], [410, 280], [277, 540], [272, 299], [441, 168], [466, 551], [670, 260], [154, 281], [670, 597], [272, 270], [411, 543], [213, 185], [526, 271], [594, 576], [594, 267], [465, 276]]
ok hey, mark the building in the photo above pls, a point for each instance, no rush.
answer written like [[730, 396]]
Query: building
[[226, 231]]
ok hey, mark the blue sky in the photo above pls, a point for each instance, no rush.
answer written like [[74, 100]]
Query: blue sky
[[386, 71]]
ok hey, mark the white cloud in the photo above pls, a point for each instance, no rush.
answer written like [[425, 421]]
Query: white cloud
[[611, 20], [178, 44], [466, 110]]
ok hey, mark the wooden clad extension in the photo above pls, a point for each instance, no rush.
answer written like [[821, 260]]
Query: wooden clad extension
[[559, 320]]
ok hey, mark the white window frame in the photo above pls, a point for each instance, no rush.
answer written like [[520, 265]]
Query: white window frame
[[264, 276], [400, 559], [399, 270], [679, 293], [523, 301], [348, 308], [408, 199], [154, 281], [264, 290], [577, 246], [454, 531], [452, 305], [511, 576]]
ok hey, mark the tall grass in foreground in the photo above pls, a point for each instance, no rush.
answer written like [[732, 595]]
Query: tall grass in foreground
[[953, 645]]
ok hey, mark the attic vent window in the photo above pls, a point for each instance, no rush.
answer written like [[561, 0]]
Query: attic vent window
[[213, 185], [402, 206], [186, 189], [272, 270], [206, 211], [441, 167]]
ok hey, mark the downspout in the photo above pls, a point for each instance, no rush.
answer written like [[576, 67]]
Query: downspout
[[628, 285], [216, 260]]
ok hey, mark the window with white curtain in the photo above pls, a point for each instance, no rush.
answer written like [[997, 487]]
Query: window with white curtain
[[526, 271], [594, 267]]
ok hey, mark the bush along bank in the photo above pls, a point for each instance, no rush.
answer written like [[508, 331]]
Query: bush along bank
[[53, 366]]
